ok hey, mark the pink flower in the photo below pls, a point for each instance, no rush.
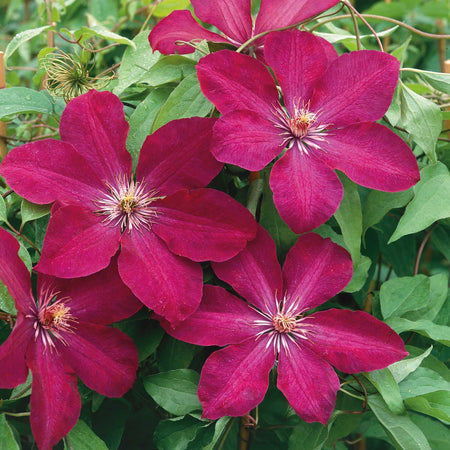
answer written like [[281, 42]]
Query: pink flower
[[233, 18], [273, 326], [156, 220], [325, 121], [62, 335]]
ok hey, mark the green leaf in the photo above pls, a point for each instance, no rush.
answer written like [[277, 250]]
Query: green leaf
[[440, 333], [175, 391], [440, 81], [23, 390], [173, 354], [167, 6], [308, 436], [404, 294], [100, 31], [142, 119], [386, 385], [423, 381], [422, 119], [169, 69], [22, 37], [430, 203], [21, 100], [360, 274], [31, 211], [349, 217], [379, 203], [219, 428], [401, 369], [83, 438], [435, 404], [7, 440], [3, 214], [135, 63], [186, 100], [176, 434], [437, 434], [7, 303], [404, 434]]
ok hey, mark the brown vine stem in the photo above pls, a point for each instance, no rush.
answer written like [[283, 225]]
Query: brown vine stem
[[8, 192], [19, 234], [386, 19], [421, 249], [3, 131]]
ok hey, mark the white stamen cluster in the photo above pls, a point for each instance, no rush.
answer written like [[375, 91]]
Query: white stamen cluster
[[51, 316], [303, 127], [128, 204], [282, 326]]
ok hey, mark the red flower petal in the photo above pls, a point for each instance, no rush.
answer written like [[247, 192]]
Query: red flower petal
[[13, 370], [255, 272], [77, 243], [315, 270], [94, 123], [232, 17], [189, 163], [235, 379], [308, 382], [50, 170], [168, 284], [104, 358], [13, 273], [274, 14], [101, 298], [55, 402], [234, 81], [354, 341], [357, 87], [306, 192], [179, 26], [221, 319], [246, 139], [204, 224], [298, 60], [372, 156]]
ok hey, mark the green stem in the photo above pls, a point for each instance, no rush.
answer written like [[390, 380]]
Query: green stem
[[355, 26], [226, 433], [351, 395], [254, 194], [24, 414]]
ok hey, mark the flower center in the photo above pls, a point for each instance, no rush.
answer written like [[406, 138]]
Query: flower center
[[300, 122], [56, 316], [127, 204], [283, 324]]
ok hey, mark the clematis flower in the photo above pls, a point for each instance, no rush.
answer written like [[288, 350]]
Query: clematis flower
[[325, 122], [273, 326], [62, 335], [233, 18], [157, 220]]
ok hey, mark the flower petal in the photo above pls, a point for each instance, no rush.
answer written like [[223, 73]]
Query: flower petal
[[306, 192], [354, 341], [167, 283], [204, 224], [104, 358], [13, 370], [309, 383], [221, 319], [315, 270], [357, 87], [274, 14], [94, 123], [254, 273], [246, 139], [101, 298], [235, 379], [232, 17], [55, 402], [234, 81], [77, 243], [50, 170], [372, 156], [13, 273], [298, 60], [189, 164], [179, 26]]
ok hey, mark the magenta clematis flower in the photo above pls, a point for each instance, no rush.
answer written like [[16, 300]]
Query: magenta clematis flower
[[273, 326], [157, 220], [233, 18], [325, 121], [62, 335]]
